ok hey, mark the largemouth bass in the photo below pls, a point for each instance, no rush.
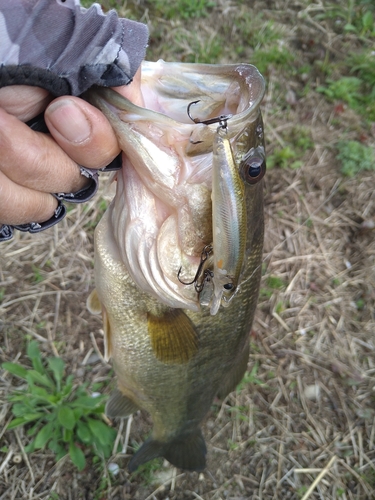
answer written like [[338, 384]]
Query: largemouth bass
[[178, 252]]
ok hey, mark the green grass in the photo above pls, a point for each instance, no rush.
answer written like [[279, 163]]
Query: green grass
[[297, 142], [57, 413], [146, 472], [183, 9], [355, 157]]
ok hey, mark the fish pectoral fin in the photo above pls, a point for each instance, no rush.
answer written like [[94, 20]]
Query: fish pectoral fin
[[235, 376], [95, 307], [119, 405], [93, 303], [174, 338], [186, 451]]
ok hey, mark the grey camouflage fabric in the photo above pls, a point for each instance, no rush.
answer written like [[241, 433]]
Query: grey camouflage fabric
[[65, 48]]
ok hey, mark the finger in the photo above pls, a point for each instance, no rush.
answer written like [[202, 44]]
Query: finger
[[20, 205], [34, 160], [23, 101], [82, 131]]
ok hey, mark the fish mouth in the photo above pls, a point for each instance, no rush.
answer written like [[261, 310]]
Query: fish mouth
[[161, 215]]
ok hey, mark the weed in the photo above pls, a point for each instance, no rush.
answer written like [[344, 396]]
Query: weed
[[232, 445], [354, 91], [184, 9], [55, 412], [275, 282], [279, 308], [201, 49], [282, 157], [37, 275], [301, 491], [355, 157], [273, 56], [250, 378], [146, 471]]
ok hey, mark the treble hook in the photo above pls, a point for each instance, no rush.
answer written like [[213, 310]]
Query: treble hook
[[204, 256], [222, 119]]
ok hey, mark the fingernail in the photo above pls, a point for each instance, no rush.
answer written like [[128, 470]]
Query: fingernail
[[69, 120]]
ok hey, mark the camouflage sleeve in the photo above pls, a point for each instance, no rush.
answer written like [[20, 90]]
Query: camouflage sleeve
[[65, 48]]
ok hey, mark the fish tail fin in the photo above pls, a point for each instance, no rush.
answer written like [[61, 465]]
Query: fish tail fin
[[185, 451]]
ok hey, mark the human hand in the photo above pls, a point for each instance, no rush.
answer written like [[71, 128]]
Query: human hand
[[33, 164]]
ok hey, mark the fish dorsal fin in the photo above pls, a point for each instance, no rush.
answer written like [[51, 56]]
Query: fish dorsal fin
[[234, 377], [93, 303], [119, 405], [173, 336]]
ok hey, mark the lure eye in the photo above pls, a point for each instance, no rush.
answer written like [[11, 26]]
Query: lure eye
[[253, 169]]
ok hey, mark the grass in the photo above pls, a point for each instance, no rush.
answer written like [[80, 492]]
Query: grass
[[56, 414], [307, 397], [355, 157]]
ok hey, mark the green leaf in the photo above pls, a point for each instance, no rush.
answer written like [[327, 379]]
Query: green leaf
[[66, 417], [57, 367], [67, 435], [55, 446], [87, 402], [44, 435], [16, 422], [34, 354], [83, 433], [30, 447], [100, 430], [15, 369], [18, 396], [34, 376], [67, 385], [368, 21], [77, 456], [24, 420]]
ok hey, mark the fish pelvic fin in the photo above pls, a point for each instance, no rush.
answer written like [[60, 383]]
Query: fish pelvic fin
[[235, 376], [120, 405], [93, 303], [186, 451], [174, 338]]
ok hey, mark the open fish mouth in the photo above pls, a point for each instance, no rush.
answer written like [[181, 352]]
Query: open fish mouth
[[167, 208]]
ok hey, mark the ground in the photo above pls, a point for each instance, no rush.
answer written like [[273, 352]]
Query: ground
[[302, 423]]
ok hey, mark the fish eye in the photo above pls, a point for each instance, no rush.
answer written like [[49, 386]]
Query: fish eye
[[253, 169], [228, 286]]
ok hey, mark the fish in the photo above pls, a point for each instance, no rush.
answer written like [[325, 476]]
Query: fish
[[178, 252]]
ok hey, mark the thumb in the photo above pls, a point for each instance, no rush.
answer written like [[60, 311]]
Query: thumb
[[82, 131]]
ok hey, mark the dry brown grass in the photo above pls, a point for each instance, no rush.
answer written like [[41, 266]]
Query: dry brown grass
[[303, 426]]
